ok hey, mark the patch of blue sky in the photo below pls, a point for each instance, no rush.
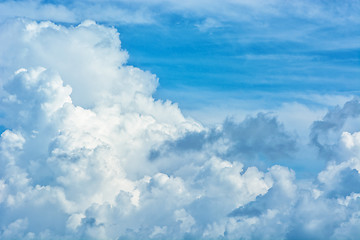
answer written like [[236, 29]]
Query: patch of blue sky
[[233, 58], [2, 129]]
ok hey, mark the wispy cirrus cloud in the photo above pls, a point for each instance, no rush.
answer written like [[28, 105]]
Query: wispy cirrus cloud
[[139, 11]]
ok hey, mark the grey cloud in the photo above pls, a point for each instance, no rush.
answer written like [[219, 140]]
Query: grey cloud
[[262, 135], [256, 138], [346, 183], [325, 133]]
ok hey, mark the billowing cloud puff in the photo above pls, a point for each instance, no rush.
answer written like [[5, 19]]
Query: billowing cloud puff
[[88, 153], [325, 134]]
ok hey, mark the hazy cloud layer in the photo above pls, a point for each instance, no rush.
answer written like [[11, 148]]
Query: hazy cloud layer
[[89, 154], [210, 14]]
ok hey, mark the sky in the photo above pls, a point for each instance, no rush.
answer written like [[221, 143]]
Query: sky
[[165, 119]]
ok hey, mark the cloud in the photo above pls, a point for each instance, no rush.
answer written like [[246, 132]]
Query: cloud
[[73, 12], [256, 141], [36, 10], [325, 133], [89, 153], [59, 140], [149, 12], [208, 24]]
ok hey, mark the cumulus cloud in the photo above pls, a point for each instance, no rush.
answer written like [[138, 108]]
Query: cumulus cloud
[[325, 134], [256, 141], [88, 153]]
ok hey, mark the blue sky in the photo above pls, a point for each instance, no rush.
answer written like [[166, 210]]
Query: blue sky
[[240, 61], [164, 119], [263, 55]]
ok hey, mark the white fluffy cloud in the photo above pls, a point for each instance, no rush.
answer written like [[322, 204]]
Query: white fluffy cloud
[[88, 153]]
